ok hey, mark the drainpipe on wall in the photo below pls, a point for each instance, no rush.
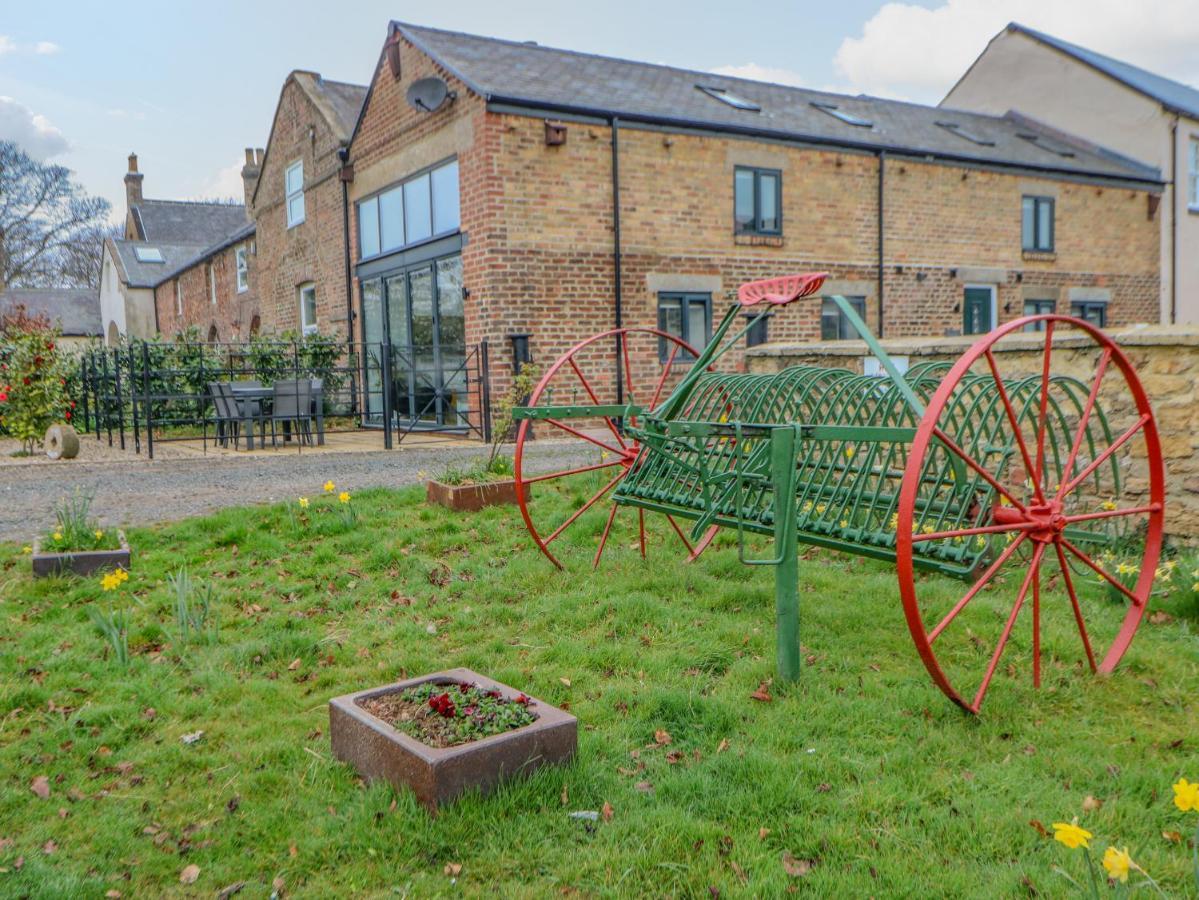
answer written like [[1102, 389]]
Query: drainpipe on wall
[[1174, 220], [882, 165], [344, 155], [615, 123]]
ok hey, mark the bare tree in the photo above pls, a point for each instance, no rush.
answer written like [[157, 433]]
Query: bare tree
[[81, 258], [47, 222]]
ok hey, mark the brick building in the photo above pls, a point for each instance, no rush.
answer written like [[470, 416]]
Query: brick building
[[498, 188], [300, 207], [182, 264]]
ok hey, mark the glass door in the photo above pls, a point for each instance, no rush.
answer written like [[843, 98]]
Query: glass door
[[372, 348]]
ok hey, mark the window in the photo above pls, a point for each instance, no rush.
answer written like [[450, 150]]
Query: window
[[243, 269], [965, 134], [838, 113], [757, 333], [307, 293], [734, 100], [212, 283], [1093, 311], [1193, 174], [148, 254], [1038, 308], [1048, 144], [178, 297], [978, 309], [757, 201], [422, 207], [1036, 224], [834, 326], [295, 193], [687, 316]]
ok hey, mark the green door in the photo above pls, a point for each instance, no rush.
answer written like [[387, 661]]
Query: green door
[[978, 310]]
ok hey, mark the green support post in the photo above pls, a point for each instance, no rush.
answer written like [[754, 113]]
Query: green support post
[[786, 545]]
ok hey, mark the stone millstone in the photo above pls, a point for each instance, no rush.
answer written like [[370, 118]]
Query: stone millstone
[[62, 442]]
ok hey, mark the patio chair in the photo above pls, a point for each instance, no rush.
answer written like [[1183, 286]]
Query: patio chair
[[228, 422], [318, 407], [293, 403]]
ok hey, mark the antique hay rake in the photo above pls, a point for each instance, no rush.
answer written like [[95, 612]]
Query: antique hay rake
[[1041, 462]]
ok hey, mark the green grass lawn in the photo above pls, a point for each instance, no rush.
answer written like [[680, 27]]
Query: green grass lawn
[[862, 774]]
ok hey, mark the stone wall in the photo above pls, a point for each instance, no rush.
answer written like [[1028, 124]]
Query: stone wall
[[1165, 358]]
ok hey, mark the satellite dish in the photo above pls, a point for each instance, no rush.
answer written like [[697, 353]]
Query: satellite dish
[[429, 94]]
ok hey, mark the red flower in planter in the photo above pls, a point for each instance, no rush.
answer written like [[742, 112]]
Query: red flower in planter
[[49, 345], [464, 686], [67, 414], [494, 695], [3, 397], [26, 379], [37, 360], [469, 710], [443, 705], [523, 700]]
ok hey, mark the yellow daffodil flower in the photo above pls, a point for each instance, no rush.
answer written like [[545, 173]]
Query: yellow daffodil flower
[[1117, 863], [928, 529], [99, 534], [849, 452], [894, 521], [344, 496], [807, 507], [1195, 587], [1186, 795], [57, 535], [820, 509], [1126, 569], [329, 487], [26, 549], [1109, 505], [122, 575], [303, 503], [1171, 564], [844, 523], [110, 582], [1071, 835], [980, 542]]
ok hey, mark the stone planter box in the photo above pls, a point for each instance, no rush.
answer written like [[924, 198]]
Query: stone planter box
[[438, 775], [470, 497], [81, 562]]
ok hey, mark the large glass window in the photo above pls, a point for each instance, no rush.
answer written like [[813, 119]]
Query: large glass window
[[420, 208], [294, 183], [834, 325], [1036, 224], [687, 316], [757, 201]]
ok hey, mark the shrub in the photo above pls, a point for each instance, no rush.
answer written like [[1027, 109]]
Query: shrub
[[33, 378]]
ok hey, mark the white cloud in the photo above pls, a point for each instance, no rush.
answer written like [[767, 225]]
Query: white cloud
[[225, 185], [31, 132], [46, 48], [6, 44], [911, 51]]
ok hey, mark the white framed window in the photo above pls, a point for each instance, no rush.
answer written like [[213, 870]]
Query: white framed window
[[294, 185], [178, 297], [1193, 174], [243, 269], [212, 283], [307, 297]]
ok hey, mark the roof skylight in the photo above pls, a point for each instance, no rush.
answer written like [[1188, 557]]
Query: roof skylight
[[1048, 144], [837, 113], [148, 254], [955, 128], [734, 100]]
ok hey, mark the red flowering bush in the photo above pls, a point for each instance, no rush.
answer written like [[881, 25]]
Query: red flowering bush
[[33, 378]]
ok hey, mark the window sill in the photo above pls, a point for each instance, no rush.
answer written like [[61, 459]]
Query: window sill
[[291, 225], [1039, 255], [758, 240]]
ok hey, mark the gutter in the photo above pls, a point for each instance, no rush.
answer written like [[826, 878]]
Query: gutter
[[882, 168], [1174, 221], [616, 273], [343, 154]]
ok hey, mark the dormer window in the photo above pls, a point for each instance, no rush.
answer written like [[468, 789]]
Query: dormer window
[[725, 96], [838, 113]]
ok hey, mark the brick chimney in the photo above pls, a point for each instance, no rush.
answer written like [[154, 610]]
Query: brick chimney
[[249, 176], [133, 183]]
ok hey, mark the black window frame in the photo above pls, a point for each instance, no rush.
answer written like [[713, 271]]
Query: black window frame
[[858, 302], [1079, 308], [1041, 306], [759, 331], [685, 300], [1035, 246], [756, 227]]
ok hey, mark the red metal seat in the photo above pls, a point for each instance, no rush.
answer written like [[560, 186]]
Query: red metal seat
[[780, 290]]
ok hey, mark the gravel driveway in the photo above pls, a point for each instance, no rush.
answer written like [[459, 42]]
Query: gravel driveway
[[137, 491]]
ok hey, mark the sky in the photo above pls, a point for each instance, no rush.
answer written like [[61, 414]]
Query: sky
[[189, 85]]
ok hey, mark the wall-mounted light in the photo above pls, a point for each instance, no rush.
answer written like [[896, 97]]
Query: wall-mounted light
[[1007, 307]]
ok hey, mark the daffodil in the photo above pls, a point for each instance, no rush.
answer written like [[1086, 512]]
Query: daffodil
[[122, 575], [849, 452], [329, 487], [1195, 588], [1071, 835], [57, 535], [99, 534], [344, 496], [1108, 505], [893, 523], [26, 549], [844, 523], [1117, 863], [980, 542], [1171, 565], [928, 529], [110, 581], [303, 503], [1126, 569], [1186, 795]]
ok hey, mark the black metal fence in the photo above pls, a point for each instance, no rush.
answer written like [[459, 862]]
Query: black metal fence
[[147, 392]]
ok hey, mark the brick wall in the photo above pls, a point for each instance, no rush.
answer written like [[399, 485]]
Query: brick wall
[[233, 314], [313, 251]]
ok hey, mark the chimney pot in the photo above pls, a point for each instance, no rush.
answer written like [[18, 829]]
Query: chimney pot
[[249, 156], [132, 162], [133, 183]]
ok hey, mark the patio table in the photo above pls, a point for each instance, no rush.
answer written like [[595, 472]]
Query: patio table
[[245, 395]]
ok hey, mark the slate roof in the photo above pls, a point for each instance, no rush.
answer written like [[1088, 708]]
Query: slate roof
[[339, 101], [76, 310], [187, 221], [140, 274], [1174, 95], [565, 82]]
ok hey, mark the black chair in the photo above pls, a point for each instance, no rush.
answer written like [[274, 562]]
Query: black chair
[[292, 403], [228, 421], [318, 408]]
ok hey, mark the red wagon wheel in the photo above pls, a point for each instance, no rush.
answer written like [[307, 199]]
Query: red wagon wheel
[[584, 376], [1063, 461]]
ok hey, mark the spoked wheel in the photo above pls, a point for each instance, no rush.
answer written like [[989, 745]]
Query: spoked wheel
[[585, 375], [1038, 475]]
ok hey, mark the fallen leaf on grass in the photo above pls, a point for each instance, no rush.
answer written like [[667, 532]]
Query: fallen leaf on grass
[[644, 786], [294, 664], [192, 737], [565, 682], [278, 884], [112, 894], [722, 746], [291, 850], [49, 847], [1090, 804], [662, 736], [189, 874], [674, 757], [740, 872], [452, 869], [606, 811], [762, 832], [796, 868], [1041, 829], [1173, 837], [40, 786], [231, 889], [762, 694], [1160, 617], [565, 795]]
